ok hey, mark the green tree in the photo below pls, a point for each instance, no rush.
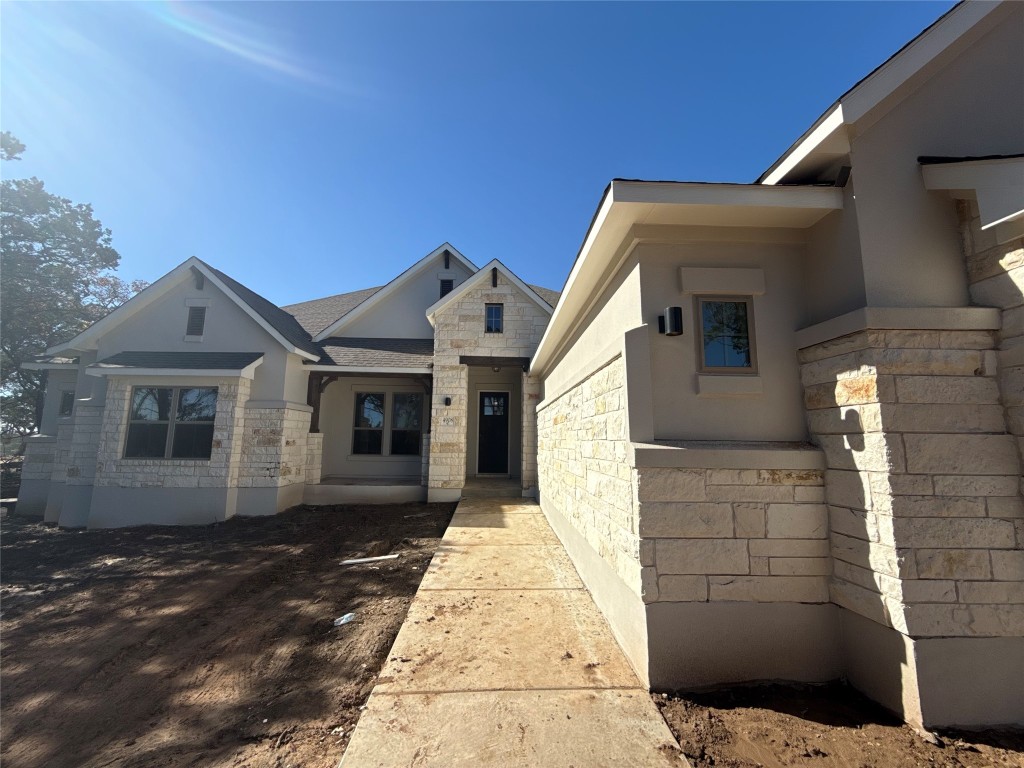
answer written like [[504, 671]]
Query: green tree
[[55, 279]]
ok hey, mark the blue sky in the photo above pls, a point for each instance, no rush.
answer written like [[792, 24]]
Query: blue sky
[[314, 148]]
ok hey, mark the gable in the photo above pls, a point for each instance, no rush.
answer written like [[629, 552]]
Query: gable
[[398, 309], [488, 276]]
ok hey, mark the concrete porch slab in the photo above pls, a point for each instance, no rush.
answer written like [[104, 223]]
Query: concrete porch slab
[[504, 640], [495, 506], [497, 567], [543, 729]]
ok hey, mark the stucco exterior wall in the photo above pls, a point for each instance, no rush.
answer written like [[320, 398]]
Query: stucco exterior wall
[[970, 108], [694, 406], [458, 331], [337, 413], [402, 315]]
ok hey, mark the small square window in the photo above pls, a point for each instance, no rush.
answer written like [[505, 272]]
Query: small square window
[[67, 403], [494, 318], [446, 287], [726, 334], [196, 321]]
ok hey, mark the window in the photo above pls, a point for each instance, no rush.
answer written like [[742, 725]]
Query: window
[[368, 432], [446, 287], [403, 422], [494, 318], [171, 423], [196, 321], [67, 403], [406, 411], [726, 337]]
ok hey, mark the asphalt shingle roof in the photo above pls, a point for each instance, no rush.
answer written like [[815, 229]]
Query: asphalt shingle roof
[[233, 361], [281, 321], [380, 353], [317, 314]]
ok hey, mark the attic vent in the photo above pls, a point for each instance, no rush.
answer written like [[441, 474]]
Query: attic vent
[[446, 287], [196, 321]]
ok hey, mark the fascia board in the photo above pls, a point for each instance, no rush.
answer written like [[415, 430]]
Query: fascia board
[[382, 295]]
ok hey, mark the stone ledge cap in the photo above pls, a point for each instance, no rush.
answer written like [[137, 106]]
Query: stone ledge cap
[[901, 319], [721, 454]]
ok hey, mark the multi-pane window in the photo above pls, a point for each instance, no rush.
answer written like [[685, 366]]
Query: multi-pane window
[[196, 321], [368, 432], [67, 403], [726, 339], [403, 423], [446, 287], [494, 318], [406, 410], [171, 423]]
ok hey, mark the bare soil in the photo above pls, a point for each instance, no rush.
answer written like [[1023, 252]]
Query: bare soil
[[202, 646], [822, 726]]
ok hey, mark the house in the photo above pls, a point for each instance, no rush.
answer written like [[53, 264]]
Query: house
[[782, 422], [778, 426], [199, 399]]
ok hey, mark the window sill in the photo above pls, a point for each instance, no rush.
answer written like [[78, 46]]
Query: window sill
[[725, 385], [192, 338]]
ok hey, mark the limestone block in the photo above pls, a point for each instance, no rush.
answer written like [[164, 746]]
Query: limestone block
[[937, 620], [789, 477], [852, 391], [874, 556], [789, 547], [686, 520], [945, 417], [683, 589], [749, 520], [1008, 565], [750, 493], [800, 566], [1005, 506], [732, 477], [848, 489], [961, 454], [992, 592], [671, 485], [953, 532], [769, 589], [649, 585], [947, 389], [872, 452], [797, 521], [809, 493], [695, 556], [937, 506], [853, 523]]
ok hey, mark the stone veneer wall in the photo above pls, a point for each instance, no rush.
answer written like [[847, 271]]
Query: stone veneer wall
[[585, 470], [995, 272], [314, 457], [459, 330], [750, 535], [923, 481], [274, 447], [531, 399], [220, 471]]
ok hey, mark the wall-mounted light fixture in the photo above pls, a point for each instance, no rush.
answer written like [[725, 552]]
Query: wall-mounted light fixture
[[447, 401], [496, 368], [671, 323]]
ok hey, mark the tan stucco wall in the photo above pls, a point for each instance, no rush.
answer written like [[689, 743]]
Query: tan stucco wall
[[973, 107], [683, 409], [337, 411], [402, 314]]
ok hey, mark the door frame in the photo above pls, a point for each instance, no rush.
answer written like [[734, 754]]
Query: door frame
[[508, 448]]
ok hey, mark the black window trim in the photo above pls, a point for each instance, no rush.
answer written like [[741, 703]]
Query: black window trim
[[501, 318], [173, 414], [66, 394]]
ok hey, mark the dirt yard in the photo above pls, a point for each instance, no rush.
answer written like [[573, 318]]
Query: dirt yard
[[202, 646], [822, 726]]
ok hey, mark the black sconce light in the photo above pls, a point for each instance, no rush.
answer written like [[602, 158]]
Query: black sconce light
[[447, 401], [671, 323]]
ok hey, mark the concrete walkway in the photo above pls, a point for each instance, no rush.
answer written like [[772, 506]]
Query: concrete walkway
[[504, 660]]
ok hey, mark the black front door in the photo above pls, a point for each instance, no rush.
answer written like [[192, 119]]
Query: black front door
[[492, 453]]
